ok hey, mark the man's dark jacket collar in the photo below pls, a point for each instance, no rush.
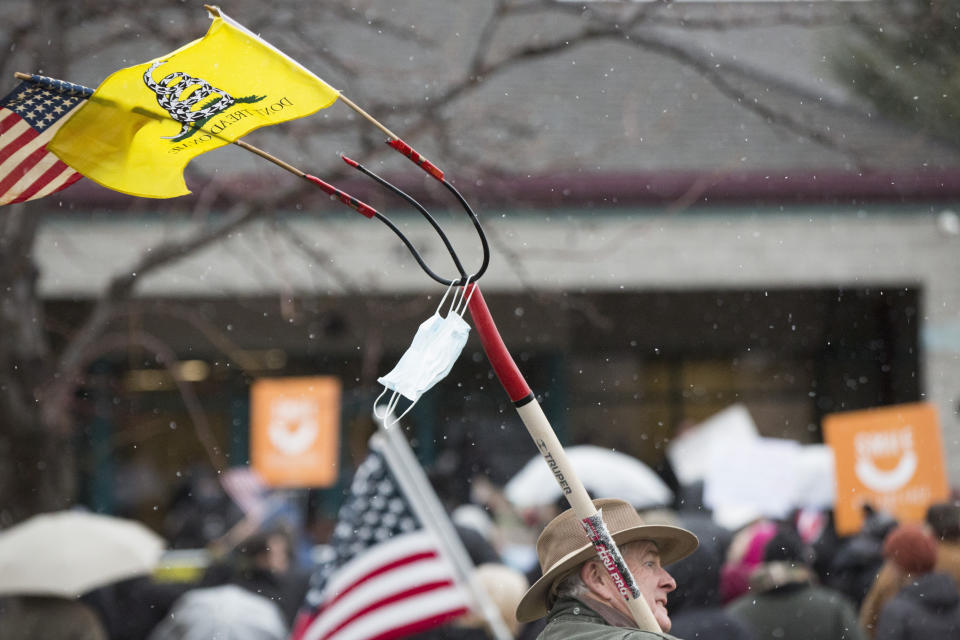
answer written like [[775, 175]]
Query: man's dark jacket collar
[[573, 619]]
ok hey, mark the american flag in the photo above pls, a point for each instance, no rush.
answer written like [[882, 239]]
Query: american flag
[[246, 489], [29, 116], [386, 577]]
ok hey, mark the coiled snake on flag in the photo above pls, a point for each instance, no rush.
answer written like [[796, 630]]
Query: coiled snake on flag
[[172, 86]]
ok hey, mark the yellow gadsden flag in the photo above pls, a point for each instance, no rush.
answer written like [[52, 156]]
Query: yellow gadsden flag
[[142, 126]]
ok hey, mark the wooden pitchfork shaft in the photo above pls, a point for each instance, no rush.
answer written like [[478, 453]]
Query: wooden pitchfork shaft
[[552, 451]]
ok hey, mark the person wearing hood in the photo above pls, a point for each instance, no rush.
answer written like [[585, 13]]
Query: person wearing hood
[[908, 551], [577, 594], [925, 603], [784, 601]]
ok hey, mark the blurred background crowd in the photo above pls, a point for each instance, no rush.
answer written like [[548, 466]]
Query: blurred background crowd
[[224, 572]]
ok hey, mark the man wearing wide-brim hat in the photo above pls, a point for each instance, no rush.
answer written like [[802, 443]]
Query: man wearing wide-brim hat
[[577, 594]]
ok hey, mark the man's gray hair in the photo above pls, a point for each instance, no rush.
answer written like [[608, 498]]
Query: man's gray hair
[[573, 586]]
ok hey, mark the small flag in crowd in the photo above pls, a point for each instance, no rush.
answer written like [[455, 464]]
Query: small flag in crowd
[[144, 123], [247, 490], [29, 117], [386, 577]]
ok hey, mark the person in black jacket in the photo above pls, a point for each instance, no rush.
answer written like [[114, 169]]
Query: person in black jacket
[[927, 608], [695, 606], [784, 600], [858, 559]]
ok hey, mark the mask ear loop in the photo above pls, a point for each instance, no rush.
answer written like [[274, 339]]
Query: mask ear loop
[[402, 415], [455, 303], [376, 403], [445, 294], [388, 410], [466, 299]]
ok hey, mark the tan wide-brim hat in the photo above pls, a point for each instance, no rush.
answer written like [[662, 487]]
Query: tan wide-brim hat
[[563, 546]]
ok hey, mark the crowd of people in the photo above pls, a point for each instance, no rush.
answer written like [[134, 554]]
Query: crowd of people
[[791, 579]]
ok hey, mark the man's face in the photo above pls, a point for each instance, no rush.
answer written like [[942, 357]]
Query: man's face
[[652, 579]]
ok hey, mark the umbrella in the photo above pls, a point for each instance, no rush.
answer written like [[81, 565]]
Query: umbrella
[[604, 472], [221, 613], [67, 553]]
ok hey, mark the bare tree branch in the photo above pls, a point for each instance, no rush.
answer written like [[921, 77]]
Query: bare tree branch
[[718, 79], [319, 257], [78, 352], [349, 13], [217, 338], [487, 32], [109, 342], [630, 32], [628, 27]]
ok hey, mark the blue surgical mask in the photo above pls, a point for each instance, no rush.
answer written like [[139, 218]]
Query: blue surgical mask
[[437, 344]]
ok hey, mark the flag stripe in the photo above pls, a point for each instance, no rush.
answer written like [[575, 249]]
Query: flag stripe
[[384, 586], [390, 566], [9, 120], [64, 179], [383, 594], [398, 547], [51, 171], [19, 136], [39, 165], [24, 166], [423, 624], [433, 606], [389, 600]]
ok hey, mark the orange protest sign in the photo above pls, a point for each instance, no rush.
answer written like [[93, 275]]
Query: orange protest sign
[[890, 458], [294, 430]]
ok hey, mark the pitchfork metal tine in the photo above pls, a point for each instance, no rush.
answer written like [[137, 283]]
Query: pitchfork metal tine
[[464, 278]]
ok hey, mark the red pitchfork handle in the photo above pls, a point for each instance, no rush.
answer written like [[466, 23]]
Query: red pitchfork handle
[[552, 451], [416, 158]]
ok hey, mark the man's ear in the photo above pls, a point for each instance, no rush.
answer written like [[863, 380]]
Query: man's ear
[[595, 579]]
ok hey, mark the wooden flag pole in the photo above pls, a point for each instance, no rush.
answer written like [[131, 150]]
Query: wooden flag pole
[[394, 140], [350, 103], [215, 11], [425, 503]]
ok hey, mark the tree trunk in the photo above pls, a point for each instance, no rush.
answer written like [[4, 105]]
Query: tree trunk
[[37, 473], [37, 466]]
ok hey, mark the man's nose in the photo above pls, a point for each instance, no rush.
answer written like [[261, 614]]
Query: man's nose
[[667, 583]]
